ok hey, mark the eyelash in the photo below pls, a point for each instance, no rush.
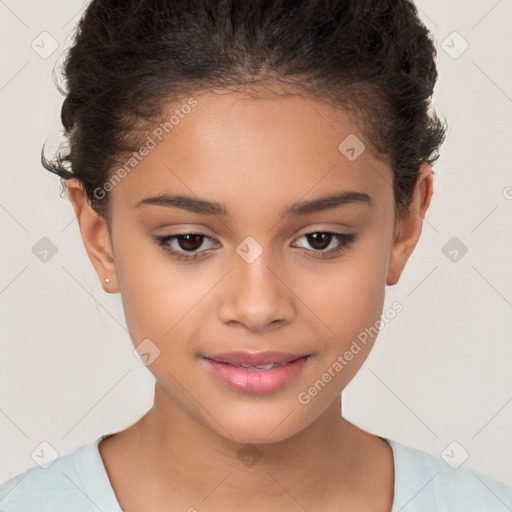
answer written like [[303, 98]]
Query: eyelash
[[345, 239]]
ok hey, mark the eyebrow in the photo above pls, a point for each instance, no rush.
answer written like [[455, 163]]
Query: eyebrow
[[205, 207]]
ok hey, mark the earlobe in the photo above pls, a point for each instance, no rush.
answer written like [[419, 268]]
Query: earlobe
[[409, 225], [95, 236]]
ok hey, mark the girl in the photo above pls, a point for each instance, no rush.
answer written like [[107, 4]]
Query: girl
[[249, 176]]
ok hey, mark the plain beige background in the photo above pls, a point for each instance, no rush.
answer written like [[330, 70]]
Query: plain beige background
[[440, 371]]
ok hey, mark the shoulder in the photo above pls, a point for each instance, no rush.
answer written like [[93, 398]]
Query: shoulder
[[72, 482], [425, 482]]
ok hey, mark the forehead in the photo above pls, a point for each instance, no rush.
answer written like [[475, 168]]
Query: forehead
[[246, 151]]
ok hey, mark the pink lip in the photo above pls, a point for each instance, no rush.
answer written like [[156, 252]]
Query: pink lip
[[254, 358], [252, 380]]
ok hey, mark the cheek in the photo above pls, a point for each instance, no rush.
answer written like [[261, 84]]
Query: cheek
[[151, 291], [349, 305], [162, 299], [350, 296]]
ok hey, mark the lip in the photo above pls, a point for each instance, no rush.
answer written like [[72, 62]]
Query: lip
[[254, 358], [251, 380]]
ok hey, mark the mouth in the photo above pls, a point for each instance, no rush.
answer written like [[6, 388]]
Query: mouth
[[260, 372]]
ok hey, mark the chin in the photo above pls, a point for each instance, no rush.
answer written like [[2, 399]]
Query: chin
[[250, 435], [253, 425]]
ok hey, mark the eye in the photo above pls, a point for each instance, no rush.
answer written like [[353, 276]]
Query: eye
[[321, 240], [184, 245]]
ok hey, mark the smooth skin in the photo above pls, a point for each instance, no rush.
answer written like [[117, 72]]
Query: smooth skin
[[255, 156]]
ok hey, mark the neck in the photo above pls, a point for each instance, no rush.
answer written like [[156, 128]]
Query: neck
[[182, 457]]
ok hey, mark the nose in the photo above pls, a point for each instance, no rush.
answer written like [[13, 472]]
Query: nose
[[255, 296]]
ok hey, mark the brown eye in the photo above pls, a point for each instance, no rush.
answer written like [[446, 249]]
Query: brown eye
[[318, 240], [184, 246], [190, 242]]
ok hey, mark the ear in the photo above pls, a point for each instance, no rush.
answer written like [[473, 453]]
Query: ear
[[408, 225], [95, 235]]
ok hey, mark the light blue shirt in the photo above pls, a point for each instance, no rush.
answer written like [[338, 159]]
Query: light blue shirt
[[78, 482]]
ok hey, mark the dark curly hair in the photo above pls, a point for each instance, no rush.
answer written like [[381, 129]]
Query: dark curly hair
[[130, 59]]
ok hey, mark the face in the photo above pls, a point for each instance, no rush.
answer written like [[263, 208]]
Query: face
[[265, 267]]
